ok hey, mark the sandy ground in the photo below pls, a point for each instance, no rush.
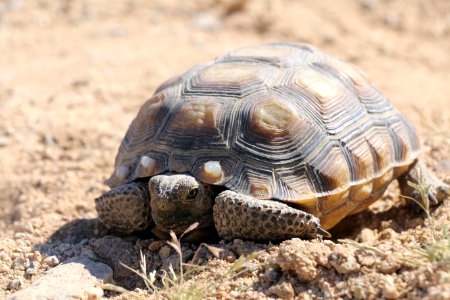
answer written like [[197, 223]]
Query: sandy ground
[[73, 74]]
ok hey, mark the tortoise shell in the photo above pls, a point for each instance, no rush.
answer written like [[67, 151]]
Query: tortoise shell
[[281, 121]]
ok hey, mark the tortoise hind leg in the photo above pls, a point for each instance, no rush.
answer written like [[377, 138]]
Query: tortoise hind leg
[[240, 216], [422, 176], [125, 208]]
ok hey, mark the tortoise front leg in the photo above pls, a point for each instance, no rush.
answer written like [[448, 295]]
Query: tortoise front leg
[[125, 208], [240, 216]]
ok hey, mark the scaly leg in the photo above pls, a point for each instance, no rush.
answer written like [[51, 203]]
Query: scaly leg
[[126, 208], [240, 216], [419, 174]]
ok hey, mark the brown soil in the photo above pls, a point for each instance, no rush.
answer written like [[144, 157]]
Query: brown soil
[[73, 74]]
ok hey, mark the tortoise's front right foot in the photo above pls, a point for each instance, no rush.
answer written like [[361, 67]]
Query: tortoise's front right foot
[[423, 178], [240, 216], [125, 208]]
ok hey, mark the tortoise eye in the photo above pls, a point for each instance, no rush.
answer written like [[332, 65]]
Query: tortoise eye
[[192, 193]]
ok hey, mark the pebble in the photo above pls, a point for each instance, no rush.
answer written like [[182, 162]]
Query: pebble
[[164, 252], [37, 256], [207, 22], [23, 243], [15, 284], [89, 253], [234, 294], [325, 287], [24, 227], [359, 291], [389, 289], [31, 271], [156, 245], [282, 291], [3, 256], [20, 236], [95, 293], [3, 268], [24, 249], [32, 268], [51, 261], [344, 264], [388, 234], [63, 247], [18, 264], [230, 258]]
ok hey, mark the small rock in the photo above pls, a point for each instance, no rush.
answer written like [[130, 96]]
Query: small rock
[[440, 292], [344, 263], [26, 263], [89, 253], [230, 258], [24, 227], [33, 268], [3, 268], [20, 236], [270, 276], [164, 252], [326, 289], [51, 261], [234, 294], [63, 247], [359, 291], [37, 256], [156, 245], [15, 284], [18, 264], [207, 22], [367, 260], [388, 234], [15, 255], [282, 291], [74, 279], [3, 256], [389, 265], [389, 289], [367, 236], [31, 271], [95, 293]]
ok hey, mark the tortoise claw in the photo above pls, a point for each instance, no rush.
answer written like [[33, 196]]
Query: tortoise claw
[[432, 198], [323, 232]]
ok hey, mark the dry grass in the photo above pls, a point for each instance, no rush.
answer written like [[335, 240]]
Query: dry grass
[[178, 286], [436, 249]]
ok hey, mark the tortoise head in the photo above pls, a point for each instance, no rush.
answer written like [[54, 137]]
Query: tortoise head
[[178, 201]]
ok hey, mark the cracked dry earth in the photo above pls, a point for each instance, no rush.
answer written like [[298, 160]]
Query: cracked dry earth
[[74, 73]]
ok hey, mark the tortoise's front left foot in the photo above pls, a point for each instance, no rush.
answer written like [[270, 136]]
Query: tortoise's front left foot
[[240, 216], [125, 208], [421, 176]]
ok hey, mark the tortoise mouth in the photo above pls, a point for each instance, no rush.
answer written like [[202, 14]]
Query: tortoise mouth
[[179, 220]]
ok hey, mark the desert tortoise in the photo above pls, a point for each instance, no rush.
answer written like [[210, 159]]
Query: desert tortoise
[[266, 143]]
